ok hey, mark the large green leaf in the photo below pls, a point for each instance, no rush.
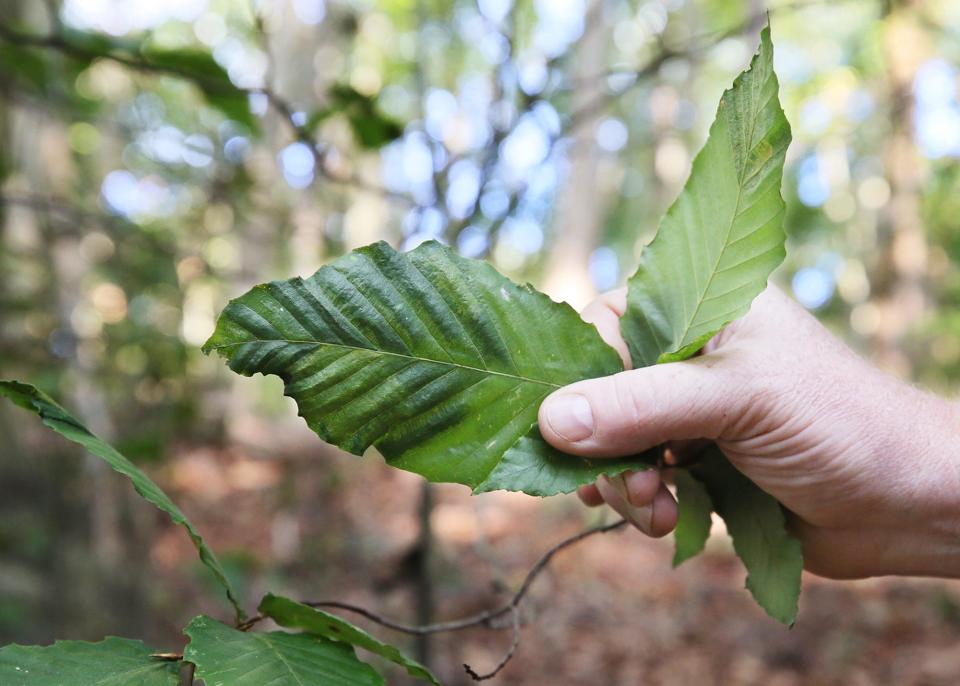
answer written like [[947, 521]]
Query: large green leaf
[[693, 522], [438, 361], [111, 662], [57, 418], [720, 240], [225, 656], [293, 615], [756, 522]]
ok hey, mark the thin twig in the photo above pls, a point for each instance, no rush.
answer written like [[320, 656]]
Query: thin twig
[[486, 617], [190, 672], [167, 657], [514, 644]]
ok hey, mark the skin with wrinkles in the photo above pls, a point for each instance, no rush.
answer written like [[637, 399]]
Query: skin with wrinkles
[[867, 465]]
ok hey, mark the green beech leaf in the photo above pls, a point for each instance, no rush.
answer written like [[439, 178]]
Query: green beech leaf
[[57, 418], [111, 662], [757, 525], [720, 240], [693, 523], [293, 615], [440, 362], [225, 656], [712, 255]]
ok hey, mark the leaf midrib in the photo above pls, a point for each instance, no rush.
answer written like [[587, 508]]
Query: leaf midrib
[[276, 651], [726, 242], [415, 358]]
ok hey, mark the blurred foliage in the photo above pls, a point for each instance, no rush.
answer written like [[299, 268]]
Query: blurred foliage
[[159, 158]]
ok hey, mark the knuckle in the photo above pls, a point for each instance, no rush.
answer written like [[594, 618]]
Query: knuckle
[[633, 403]]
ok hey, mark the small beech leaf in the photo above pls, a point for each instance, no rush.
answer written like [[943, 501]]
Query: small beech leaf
[[225, 656], [293, 615], [758, 527], [723, 236], [693, 523]]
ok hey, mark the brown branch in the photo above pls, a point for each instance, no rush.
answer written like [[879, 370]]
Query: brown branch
[[189, 674], [167, 657], [514, 644], [486, 617]]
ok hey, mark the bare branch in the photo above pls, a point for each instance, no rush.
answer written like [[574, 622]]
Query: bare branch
[[514, 644], [486, 617], [189, 674]]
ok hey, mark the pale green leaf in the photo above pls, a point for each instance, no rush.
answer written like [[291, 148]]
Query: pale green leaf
[[721, 239], [438, 361], [225, 656], [57, 418], [693, 523], [758, 527], [111, 662], [711, 256], [293, 615]]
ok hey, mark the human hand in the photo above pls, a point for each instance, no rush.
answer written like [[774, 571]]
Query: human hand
[[867, 465]]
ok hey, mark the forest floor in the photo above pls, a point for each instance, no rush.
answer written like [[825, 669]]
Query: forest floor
[[316, 524]]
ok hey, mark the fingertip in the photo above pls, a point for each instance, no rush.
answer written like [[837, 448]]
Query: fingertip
[[590, 496], [606, 318], [614, 492], [663, 519], [616, 300], [642, 486], [565, 419]]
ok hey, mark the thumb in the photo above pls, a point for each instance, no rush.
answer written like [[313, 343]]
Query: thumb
[[631, 411]]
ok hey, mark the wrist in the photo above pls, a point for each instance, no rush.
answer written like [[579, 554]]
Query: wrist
[[931, 541]]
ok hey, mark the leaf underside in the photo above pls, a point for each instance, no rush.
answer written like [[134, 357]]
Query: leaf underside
[[293, 615], [758, 527], [721, 239], [57, 418], [712, 255], [111, 662], [440, 362], [225, 656]]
